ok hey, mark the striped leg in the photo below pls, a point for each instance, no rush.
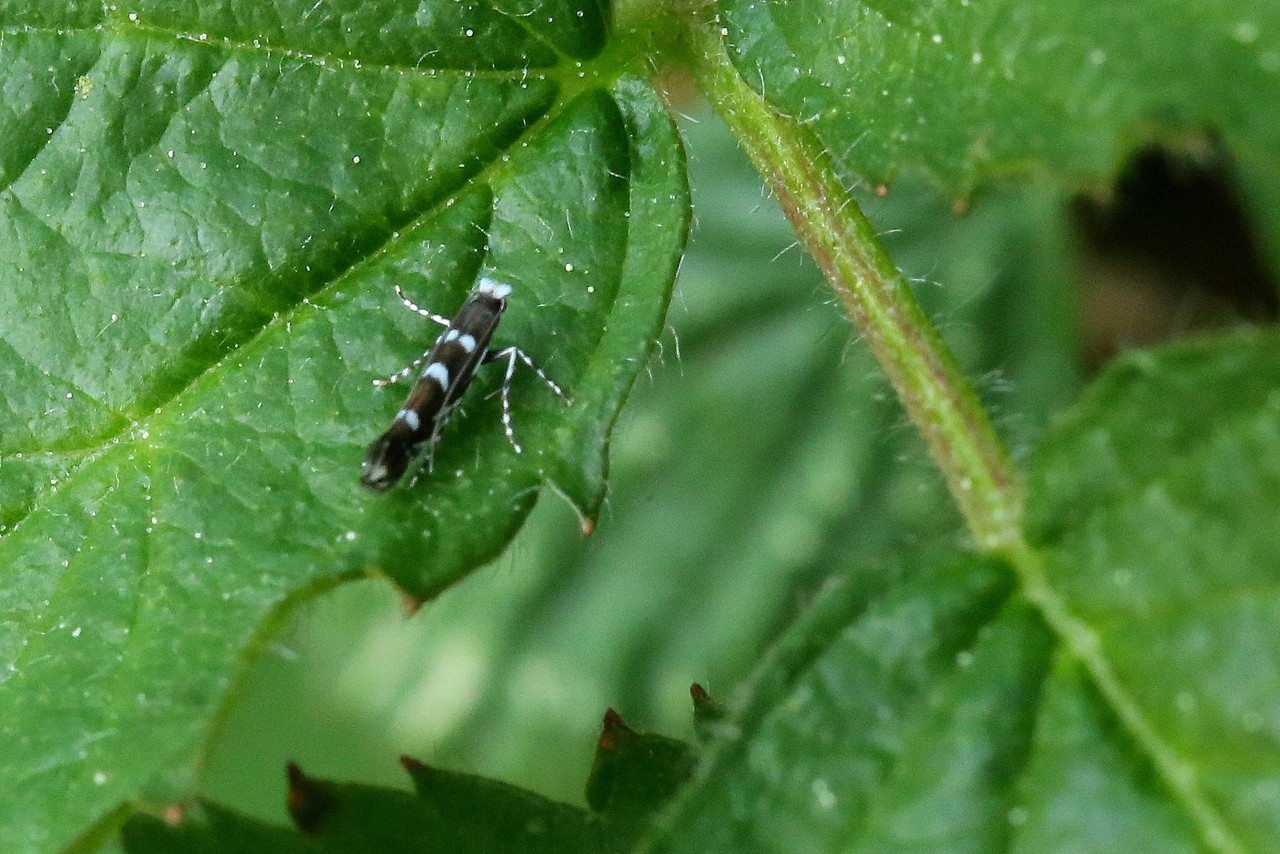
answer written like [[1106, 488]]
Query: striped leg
[[405, 373], [413, 306], [511, 354], [421, 360]]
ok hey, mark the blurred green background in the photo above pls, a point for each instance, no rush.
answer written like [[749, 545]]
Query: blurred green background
[[761, 452]]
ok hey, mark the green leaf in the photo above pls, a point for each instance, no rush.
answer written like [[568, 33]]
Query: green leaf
[[965, 92], [210, 829], [488, 815], [1155, 506], [925, 710], [455, 813], [892, 711], [1086, 785], [203, 232], [633, 775], [634, 772]]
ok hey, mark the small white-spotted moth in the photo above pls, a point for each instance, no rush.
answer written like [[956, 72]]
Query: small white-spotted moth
[[450, 364]]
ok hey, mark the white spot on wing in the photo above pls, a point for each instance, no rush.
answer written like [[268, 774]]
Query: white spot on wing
[[437, 372], [408, 416], [493, 288], [467, 342]]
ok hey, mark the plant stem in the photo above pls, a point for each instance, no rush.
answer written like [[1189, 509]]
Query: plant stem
[[937, 396], [828, 221]]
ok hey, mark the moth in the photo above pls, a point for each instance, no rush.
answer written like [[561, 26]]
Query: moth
[[447, 369]]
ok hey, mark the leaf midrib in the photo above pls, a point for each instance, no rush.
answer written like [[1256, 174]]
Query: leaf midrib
[[1083, 642], [304, 300]]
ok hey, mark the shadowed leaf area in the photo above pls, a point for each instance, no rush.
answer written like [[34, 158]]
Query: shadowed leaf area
[[631, 777]]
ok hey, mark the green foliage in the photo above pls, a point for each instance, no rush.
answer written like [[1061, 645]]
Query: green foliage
[[998, 88], [926, 706], [205, 210], [203, 240], [1152, 502], [890, 712], [633, 774]]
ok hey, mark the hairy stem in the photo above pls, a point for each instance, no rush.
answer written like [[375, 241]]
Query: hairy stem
[[828, 221], [937, 396]]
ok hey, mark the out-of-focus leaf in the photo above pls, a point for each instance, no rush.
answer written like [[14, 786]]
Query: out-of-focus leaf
[[346, 818], [1156, 505], [202, 233], [707, 713], [970, 92], [893, 719], [896, 708], [634, 772], [210, 829], [633, 775]]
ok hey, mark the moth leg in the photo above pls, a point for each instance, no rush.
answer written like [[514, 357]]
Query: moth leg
[[511, 353], [422, 312], [404, 373], [551, 384]]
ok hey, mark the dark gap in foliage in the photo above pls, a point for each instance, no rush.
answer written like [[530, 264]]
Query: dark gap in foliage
[[1171, 251]]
